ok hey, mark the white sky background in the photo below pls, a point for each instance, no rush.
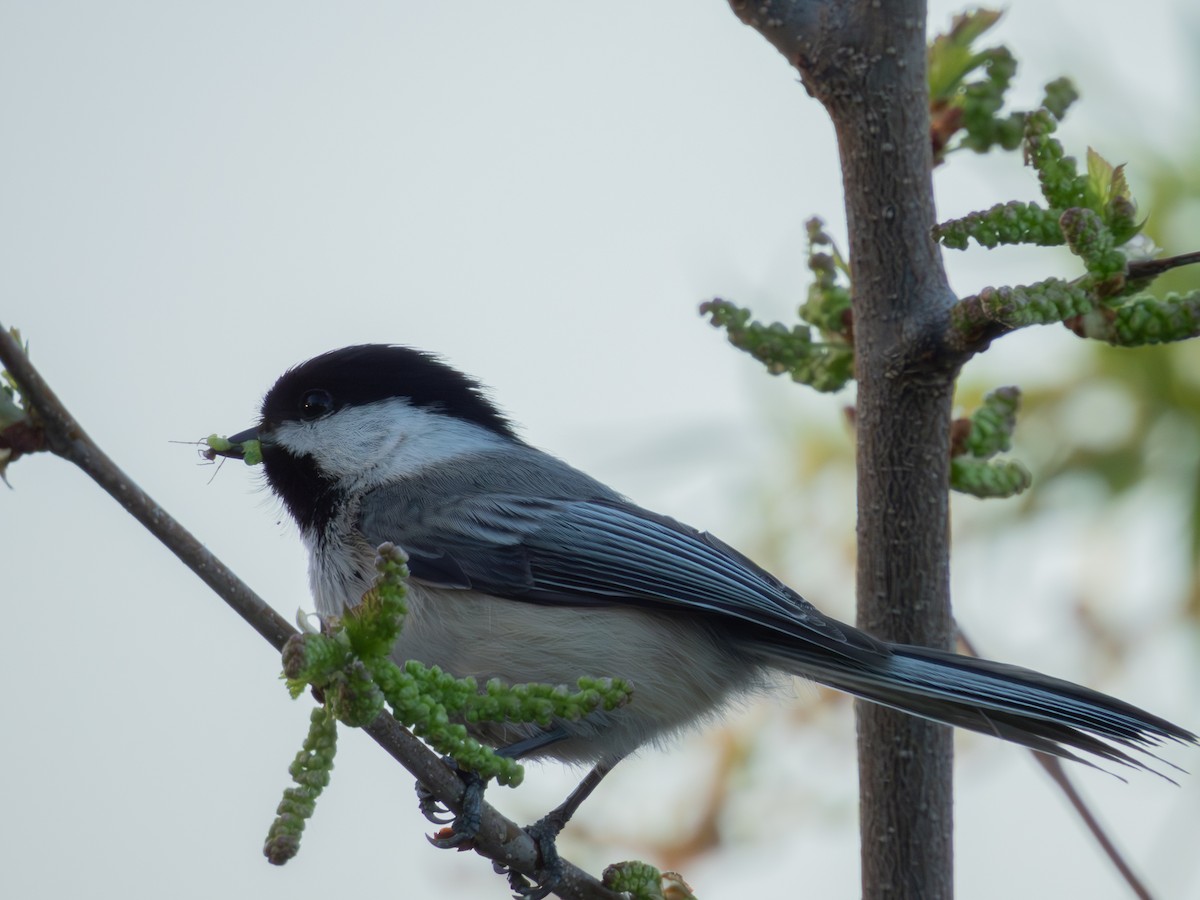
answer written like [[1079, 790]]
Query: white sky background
[[195, 196]]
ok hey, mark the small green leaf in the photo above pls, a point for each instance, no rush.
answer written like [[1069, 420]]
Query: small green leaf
[[1106, 182], [951, 55]]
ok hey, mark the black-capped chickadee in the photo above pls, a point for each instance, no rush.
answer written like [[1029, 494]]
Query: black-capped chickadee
[[527, 570]]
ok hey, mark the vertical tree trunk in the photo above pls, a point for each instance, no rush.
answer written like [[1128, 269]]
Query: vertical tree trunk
[[903, 457], [865, 61]]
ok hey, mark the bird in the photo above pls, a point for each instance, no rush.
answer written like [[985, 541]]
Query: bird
[[525, 569]]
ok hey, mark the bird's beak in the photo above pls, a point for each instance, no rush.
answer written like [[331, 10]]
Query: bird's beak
[[235, 446]]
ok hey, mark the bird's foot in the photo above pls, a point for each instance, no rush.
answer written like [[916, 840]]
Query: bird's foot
[[550, 871], [457, 830]]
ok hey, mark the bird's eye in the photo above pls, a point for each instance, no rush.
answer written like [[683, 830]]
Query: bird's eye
[[314, 404]]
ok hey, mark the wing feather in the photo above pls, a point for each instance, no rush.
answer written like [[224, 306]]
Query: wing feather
[[586, 552]]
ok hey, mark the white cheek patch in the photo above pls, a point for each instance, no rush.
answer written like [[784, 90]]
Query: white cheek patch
[[367, 446]]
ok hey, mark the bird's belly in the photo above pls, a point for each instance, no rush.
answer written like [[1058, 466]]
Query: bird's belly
[[681, 672]]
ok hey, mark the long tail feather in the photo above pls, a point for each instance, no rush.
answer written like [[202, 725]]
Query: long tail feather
[[1009, 702]]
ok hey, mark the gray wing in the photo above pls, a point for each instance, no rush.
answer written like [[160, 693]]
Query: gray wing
[[585, 552]]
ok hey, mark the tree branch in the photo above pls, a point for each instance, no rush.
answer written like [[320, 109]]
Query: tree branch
[[865, 61], [499, 839], [1151, 268]]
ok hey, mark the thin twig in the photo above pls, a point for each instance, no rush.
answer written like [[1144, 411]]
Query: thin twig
[[499, 839], [1054, 768], [1152, 268]]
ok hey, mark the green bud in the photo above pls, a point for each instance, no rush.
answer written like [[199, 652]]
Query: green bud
[[252, 453], [310, 772], [824, 366], [1092, 241], [1006, 223], [1061, 186], [1144, 320], [1060, 94], [644, 882], [281, 845], [992, 425], [988, 478], [355, 698], [1043, 303], [312, 659]]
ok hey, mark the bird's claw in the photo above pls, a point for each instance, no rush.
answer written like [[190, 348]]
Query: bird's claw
[[458, 829], [449, 839], [431, 808]]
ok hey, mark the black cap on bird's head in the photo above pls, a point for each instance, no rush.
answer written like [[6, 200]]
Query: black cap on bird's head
[[367, 373]]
